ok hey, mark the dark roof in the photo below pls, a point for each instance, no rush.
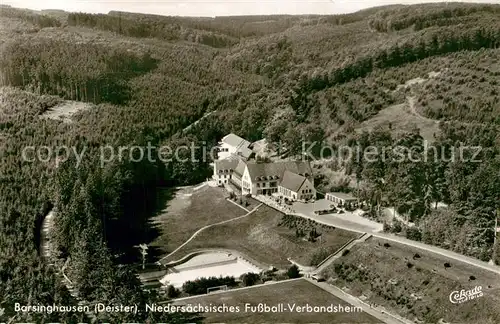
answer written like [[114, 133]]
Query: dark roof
[[240, 168], [226, 164], [245, 152], [292, 181], [342, 195], [277, 169]]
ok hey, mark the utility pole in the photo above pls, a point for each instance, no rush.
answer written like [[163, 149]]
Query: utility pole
[[144, 252], [497, 230]]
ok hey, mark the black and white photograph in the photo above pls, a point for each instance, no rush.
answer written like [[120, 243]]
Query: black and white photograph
[[249, 162]]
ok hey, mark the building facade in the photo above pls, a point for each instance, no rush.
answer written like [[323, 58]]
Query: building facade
[[340, 198], [266, 178], [233, 145], [296, 187], [224, 170]]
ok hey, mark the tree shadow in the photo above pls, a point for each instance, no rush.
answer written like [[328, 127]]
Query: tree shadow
[[137, 224]]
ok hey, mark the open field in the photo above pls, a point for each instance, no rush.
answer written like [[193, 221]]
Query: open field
[[260, 237], [416, 286], [189, 210], [401, 119], [65, 110], [298, 292]]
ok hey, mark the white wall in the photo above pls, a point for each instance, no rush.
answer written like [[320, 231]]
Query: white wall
[[225, 151]]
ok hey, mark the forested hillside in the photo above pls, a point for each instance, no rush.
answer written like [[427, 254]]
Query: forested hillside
[[286, 78]]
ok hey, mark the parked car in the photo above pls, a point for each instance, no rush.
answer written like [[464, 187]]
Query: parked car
[[318, 277]]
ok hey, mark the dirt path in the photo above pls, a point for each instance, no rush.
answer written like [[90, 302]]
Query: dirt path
[[329, 260], [47, 251]]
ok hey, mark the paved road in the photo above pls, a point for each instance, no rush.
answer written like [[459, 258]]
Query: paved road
[[354, 227], [375, 312]]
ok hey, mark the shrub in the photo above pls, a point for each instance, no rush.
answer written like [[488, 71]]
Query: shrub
[[200, 286], [387, 245], [397, 227], [447, 265], [173, 292], [293, 272], [250, 278], [413, 233], [345, 252]]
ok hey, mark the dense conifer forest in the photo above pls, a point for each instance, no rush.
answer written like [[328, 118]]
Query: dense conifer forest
[[285, 78]]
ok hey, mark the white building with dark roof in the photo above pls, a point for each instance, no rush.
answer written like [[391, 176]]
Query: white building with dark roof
[[265, 178], [296, 187], [224, 170], [233, 145], [292, 180]]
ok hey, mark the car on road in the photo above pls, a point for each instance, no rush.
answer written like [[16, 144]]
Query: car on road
[[317, 277]]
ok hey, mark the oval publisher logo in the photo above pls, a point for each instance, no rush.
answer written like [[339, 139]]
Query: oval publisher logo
[[458, 297]]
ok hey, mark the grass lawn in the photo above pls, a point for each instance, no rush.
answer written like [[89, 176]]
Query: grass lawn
[[260, 237], [420, 286], [188, 211], [298, 292]]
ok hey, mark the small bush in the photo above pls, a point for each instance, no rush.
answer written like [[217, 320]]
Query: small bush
[[447, 265], [200, 286], [472, 278], [345, 252], [387, 245], [409, 265], [293, 272], [173, 292], [250, 278]]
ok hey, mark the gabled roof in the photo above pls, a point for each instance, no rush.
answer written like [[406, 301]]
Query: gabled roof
[[236, 141], [241, 145], [245, 152], [271, 170], [292, 181], [240, 168], [226, 164]]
